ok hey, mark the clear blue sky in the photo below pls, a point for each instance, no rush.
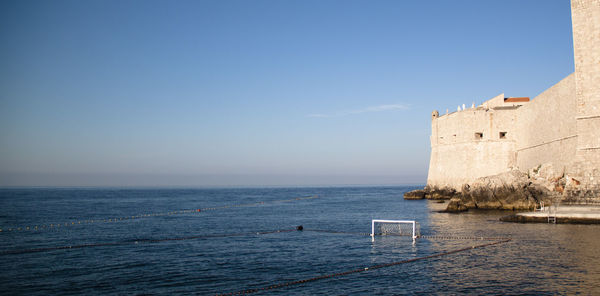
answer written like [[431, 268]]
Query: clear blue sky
[[202, 93]]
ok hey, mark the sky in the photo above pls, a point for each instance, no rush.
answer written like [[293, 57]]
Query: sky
[[256, 93]]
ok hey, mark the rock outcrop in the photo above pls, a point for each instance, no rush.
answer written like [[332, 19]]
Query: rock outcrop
[[513, 190], [444, 193], [415, 194], [432, 193], [507, 191]]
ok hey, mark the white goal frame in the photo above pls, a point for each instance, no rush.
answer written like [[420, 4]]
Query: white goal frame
[[414, 226]]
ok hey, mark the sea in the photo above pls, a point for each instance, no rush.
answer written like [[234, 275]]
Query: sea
[[222, 241]]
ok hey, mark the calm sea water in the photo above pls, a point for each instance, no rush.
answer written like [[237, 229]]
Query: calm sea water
[[541, 259]]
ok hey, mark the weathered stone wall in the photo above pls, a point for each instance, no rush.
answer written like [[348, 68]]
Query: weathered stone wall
[[547, 129], [466, 145], [543, 131], [586, 44]]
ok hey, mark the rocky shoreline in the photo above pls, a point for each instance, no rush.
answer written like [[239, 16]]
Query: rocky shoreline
[[526, 192], [431, 193], [513, 190]]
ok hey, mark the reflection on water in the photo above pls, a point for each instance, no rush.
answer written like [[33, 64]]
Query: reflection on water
[[541, 258]]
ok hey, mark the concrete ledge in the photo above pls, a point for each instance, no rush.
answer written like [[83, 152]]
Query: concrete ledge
[[564, 215]]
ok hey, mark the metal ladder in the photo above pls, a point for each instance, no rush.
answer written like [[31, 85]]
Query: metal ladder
[[552, 209]]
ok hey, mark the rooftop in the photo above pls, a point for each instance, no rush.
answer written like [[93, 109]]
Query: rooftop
[[516, 100]]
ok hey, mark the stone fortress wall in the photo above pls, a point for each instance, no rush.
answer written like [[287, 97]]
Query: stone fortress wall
[[547, 130], [560, 127], [467, 144], [585, 15]]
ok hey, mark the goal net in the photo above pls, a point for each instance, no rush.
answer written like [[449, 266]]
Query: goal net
[[395, 227]]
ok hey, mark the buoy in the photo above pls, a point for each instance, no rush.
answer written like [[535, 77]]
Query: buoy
[[299, 228], [199, 210]]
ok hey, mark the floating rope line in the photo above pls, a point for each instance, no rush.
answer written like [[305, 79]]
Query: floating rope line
[[140, 216], [445, 237], [298, 228], [141, 241], [440, 237], [338, 232], [358, 270]]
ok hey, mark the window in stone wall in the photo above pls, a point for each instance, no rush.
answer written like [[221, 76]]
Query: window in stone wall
[[478, 136], [502, 135]]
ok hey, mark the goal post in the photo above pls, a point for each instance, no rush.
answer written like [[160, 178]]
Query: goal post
[[394, 227]]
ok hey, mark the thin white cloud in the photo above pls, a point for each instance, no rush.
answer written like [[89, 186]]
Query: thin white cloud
[[380, 108]]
